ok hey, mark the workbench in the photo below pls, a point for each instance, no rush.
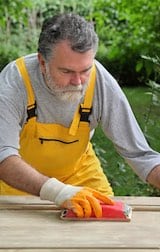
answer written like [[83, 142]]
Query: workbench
[[30, 225]]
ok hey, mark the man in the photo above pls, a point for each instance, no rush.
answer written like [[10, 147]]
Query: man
[[50, 104]]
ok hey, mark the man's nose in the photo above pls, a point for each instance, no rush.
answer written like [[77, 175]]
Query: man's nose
[[76, 79]]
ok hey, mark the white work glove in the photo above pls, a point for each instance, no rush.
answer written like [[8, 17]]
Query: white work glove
[[81, 200]]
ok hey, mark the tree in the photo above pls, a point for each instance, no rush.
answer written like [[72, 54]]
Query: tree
[[127, 30]]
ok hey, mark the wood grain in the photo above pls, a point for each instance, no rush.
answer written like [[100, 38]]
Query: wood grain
[[29, 224]]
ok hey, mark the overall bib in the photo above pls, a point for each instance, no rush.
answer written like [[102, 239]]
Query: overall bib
[[57, 151]]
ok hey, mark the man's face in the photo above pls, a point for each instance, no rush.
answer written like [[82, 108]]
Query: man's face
[[67, 72]]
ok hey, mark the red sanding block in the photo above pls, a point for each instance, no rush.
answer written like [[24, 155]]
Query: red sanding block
[[117, 212]]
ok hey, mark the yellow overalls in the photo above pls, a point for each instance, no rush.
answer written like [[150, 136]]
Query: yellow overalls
[[57, 151]]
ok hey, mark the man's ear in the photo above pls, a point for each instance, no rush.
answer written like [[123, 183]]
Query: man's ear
[[42, 63]]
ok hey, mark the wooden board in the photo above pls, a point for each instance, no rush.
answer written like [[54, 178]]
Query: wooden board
[[36, 229], [26, 202], [79, 250], [40, 229]]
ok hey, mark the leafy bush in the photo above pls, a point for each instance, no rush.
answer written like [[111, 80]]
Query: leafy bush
[[18, 31], [127, 30], [152, 116], [18, 45]]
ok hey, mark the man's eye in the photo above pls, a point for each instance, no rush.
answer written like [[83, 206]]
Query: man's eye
[[87, 71], [65, 71]]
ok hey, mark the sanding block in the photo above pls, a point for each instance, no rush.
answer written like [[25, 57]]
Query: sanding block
[[117, 212]]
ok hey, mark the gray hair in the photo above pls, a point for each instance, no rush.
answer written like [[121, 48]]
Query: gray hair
[[68, 26]]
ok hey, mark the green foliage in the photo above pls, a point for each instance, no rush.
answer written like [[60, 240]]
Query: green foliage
[[12, 11], [21, 21], [127, 30], [153, 116], [18, 29]]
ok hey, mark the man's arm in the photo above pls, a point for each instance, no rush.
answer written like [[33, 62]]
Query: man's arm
[[82, 200], [20, 175], [154, 177]]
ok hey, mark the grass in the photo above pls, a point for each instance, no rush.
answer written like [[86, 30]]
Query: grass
[[123, 180]]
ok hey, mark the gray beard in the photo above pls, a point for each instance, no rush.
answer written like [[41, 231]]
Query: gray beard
[[71, 93]]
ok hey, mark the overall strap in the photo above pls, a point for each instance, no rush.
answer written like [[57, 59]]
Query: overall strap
[[85, 109], [31, 104], [86, 106]]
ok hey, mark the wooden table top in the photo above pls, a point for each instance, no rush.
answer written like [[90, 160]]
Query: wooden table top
[[31, 225]]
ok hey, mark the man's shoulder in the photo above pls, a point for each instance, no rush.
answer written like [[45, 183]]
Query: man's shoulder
[[102, 70], [104, 77], [31, 60], [31, 57]]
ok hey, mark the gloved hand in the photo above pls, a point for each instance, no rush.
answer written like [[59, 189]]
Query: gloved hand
[[81, 200]]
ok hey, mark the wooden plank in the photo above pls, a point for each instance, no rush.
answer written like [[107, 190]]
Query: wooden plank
[[79, 250], [141, 201], [32, 202], [25, 200], [36, 200], [54, 207], [35, 229], [132, 200], [29, 207]]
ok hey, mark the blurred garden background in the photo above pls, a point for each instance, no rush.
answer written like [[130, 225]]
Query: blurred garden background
[[129, 34]]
